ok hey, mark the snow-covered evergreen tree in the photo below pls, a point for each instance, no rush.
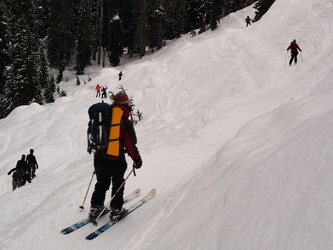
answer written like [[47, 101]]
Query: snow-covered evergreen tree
[[176, 19], [23, 51], [84, 34], [49, 91], [60, 39], [128, 14], [43, 70], [262, 7], [4, 46], [215, 13], [116, 47]]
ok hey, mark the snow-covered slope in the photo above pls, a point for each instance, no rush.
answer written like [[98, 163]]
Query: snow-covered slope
[[238, 145]]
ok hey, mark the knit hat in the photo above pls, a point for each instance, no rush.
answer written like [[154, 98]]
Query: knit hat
[[121, 98]]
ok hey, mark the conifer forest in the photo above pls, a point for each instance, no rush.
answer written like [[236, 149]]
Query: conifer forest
[[39, 35]]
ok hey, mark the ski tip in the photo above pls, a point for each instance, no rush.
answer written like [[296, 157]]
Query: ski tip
[[150, 195], [137, 191], [91, 236]]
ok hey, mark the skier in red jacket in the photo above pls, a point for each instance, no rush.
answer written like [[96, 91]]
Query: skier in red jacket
[[294, 48], [110, 166], [98, 90]]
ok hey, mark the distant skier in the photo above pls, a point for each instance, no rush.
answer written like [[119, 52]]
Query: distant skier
[[104, 91], [248, 21], [98, 90], [110, 164], [32, 163], [293, 47], [120, 75], [20, 175]]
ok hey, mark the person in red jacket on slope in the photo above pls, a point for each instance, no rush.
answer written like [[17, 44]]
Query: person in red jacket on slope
[[98, 90], [111, 165], [294, 48]]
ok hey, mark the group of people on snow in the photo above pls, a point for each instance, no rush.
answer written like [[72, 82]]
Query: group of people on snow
[[24, 171], [100, 89]]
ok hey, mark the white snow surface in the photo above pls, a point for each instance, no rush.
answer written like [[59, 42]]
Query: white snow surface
[[238, 145]]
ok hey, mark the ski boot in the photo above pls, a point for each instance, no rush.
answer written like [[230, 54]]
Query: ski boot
[[117, 214], [95, 212]]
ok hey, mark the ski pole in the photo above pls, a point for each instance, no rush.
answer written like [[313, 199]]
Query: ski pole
[[84, 200], [302, 55], [100, 214], [285, 61]]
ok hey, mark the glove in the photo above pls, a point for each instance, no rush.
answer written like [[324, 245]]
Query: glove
[[8, 173], [137, 162]]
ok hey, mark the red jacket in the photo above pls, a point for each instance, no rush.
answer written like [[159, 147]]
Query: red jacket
[[127, 137], [98, 88], [297, 47]]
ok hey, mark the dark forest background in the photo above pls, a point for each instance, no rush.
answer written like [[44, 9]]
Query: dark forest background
[[39, 35]]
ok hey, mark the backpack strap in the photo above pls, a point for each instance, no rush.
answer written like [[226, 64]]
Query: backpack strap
[[114, 135]]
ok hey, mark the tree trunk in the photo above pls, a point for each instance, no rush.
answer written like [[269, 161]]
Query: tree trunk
[[100, 25], [143, 27], [223, 9], [160, 28], [97, 28]]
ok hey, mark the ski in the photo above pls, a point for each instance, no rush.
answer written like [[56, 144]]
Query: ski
[[86, 221], [135, 206]]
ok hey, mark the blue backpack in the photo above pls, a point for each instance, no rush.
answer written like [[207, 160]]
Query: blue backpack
[[98, 127]]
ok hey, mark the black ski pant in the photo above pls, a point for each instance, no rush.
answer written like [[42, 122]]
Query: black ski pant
[[293, 57], [107, 171]]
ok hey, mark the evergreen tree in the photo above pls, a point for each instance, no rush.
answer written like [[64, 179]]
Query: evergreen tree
[[142, 27], [216, 11], [24, 87], [41, 21], [6, 104], [176, 19], [84, 36], [116, 47], [204, 12], [24, 73], [193, 8], [262, 7], [49, 91], [4, 46], [60, 35], [128, 14], [43, 76], [153, 23], [160, 18], [78, 81]]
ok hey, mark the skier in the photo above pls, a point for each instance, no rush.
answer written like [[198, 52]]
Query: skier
[[248, 21], [112, 166], [293, 47], [20, 174], [104, 92], [98, 90], [120, 75], [32, 163]]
